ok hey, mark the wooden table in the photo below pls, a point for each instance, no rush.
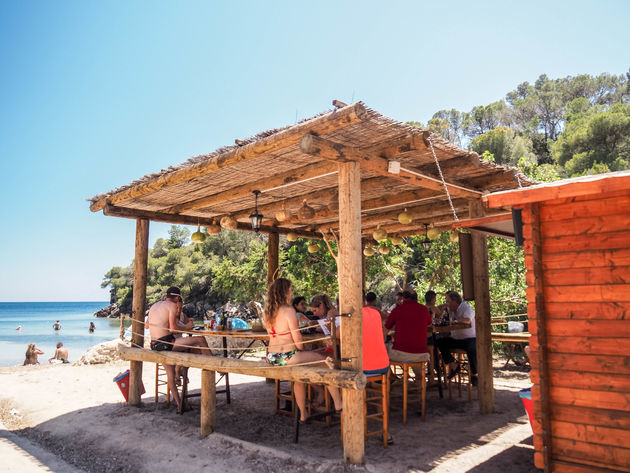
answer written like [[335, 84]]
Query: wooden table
[[510, 340], [253, 335]]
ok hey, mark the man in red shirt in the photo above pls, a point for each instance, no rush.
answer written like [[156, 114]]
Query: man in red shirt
[[411, 321]]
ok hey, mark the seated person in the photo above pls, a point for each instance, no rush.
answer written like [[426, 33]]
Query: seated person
[[375, 359], [31, 355], [164, 322], [370, 301], [299, 304], [61, 355], [412, 321], [323, 309], [460, 312], [285, 342]]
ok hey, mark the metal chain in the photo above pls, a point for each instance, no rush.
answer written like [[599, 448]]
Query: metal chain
[[448, 194]]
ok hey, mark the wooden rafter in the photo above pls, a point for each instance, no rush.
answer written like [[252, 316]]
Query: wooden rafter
[[295, 175], [325, 149], [114, 211], [321, 125]]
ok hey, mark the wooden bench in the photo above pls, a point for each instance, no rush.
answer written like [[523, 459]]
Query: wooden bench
[[510, 340], [211, 364]]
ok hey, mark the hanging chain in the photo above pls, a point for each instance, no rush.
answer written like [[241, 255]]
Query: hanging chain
[[448, 194]]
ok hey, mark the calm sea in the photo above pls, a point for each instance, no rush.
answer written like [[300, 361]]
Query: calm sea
[[37, 318]]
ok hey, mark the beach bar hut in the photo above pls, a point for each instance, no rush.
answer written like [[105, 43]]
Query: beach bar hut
[[340, 175], [577, 254]]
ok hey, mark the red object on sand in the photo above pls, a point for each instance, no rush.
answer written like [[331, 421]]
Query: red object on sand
[[526, 397], [122, 380]]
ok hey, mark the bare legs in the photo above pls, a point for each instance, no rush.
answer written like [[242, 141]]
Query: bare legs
[[300, 388], [172, 387]]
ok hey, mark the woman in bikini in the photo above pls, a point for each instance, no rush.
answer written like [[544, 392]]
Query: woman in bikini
[[31, 355], [285, 341]]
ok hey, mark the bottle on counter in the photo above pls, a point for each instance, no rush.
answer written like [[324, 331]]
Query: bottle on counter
[[229, 323]]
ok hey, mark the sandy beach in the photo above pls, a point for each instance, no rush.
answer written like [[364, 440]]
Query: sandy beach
[[78, 414]]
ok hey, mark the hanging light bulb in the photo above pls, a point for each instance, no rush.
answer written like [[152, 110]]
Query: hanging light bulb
[[306, 212], [213, 228], [198, 236], [229, 222], [426, 243], [379, 234], [256, 217], [404, 218]]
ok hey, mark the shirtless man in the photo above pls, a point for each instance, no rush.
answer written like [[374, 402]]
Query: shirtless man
[[61, 354], [163, 323]]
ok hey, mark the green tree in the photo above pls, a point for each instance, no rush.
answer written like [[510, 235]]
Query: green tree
[[506, 146]]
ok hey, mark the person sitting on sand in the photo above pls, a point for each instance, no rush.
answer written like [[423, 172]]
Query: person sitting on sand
[[61, 355], [285, 340], [31, 355], [57, 325], [92, 327], [163, 322]]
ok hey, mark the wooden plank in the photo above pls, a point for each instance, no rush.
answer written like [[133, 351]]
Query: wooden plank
[[483, 327], [565, 466], [609, 456], [587, 345], [295, 175], [592, 328], [597, 206], [584, 259], [350, 278], [138, 306], [593, 363], [325, 149], [587, 226], [352, 380], [208, 402], [589, 416], [559, 190], [588, 293], [572, 277], [123, 212], [581, 379], [589, 310], [590, 398], [321, 125], [591, 434], [603, 241]]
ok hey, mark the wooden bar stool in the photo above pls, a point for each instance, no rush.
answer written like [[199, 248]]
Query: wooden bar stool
[[313, 410], [286, 393], [377, 399], [464, 374], [160, 380], [419, 379]]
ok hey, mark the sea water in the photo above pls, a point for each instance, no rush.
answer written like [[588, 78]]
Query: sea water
[[37, 319]]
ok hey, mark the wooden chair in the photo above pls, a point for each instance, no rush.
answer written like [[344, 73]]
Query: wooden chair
[[284, 393], [464, 374], [418, 378], [376, 406], [160, 380]]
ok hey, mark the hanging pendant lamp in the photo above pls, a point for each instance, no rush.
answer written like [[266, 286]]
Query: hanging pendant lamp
[[256, 217]]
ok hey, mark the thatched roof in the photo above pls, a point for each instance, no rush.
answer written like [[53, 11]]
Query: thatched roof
[[289, 168]]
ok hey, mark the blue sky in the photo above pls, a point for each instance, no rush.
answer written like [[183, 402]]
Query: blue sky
[[96, 94]]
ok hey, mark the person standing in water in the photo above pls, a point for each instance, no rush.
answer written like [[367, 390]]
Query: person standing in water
[[57, 325], [92, 327]]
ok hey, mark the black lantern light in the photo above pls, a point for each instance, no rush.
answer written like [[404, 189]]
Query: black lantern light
[[426, 243], [256, 217]]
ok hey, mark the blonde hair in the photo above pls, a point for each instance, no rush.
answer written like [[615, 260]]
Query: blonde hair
[[30, 350], [322, 299], [277, 296]]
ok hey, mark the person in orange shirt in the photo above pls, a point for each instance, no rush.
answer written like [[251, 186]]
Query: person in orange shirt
[[375, 358]]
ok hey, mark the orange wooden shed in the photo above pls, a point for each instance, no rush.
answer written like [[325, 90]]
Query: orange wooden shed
[[577, 255]]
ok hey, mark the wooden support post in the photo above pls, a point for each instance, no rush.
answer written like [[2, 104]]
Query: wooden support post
[[138, 306], [351, 301], [208, 402], [483, 324], [363, 266], [273, 254]]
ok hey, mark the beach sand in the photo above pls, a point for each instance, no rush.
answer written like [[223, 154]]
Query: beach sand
[[78, 413]]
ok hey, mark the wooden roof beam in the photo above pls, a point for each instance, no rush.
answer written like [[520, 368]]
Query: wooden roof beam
[[303, 173], [325, 149], [114, 211], [324, 124]]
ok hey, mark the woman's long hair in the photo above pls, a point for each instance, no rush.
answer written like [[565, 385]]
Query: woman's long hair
[[277, 296], [322, 299], [30, 351]]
